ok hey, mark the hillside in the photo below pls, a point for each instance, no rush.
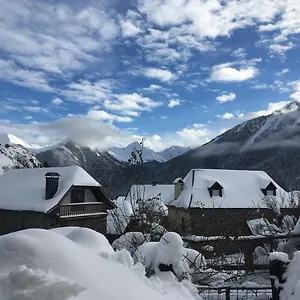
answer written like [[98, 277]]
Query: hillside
[[16, 156]]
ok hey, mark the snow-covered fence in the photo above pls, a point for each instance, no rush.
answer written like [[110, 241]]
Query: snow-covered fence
[[278, 265], [232, 293]]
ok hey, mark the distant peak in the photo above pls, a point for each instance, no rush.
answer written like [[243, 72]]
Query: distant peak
[[8, 138], [290, 107]]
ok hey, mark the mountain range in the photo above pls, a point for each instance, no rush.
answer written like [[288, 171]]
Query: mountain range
[[270, 143]]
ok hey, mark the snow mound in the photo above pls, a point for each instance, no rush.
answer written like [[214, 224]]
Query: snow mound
[[28, 284], [57, 268], [86, 238], [130, 241]]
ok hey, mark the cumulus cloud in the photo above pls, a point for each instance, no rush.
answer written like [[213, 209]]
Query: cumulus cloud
[[220, 73], [160, 74], [195, 136], [129, 29], [226, 97], [227, 116], [131, 104], [174, 102], [57, 101], [296, 87]]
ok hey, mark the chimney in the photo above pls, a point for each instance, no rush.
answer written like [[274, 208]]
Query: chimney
[[179, 184], [52, 179]]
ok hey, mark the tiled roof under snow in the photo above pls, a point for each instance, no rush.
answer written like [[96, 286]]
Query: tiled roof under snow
[[241, 189], [24, 189]]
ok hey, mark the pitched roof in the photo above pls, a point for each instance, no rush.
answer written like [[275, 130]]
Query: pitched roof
[[24, 189], [241, 189], [147, 191]]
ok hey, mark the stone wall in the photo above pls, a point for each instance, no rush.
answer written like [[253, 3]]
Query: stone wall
[[11, 221]]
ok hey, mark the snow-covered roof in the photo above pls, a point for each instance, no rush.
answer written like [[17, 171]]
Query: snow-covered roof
[[165, 192], [241, 189], [24, 189]]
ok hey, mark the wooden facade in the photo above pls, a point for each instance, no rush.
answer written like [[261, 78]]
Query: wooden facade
[[90, 213]]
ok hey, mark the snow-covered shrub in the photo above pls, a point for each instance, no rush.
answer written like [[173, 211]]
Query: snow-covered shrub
[[194, 260], [261, 256], [130, 241], [165, 255]]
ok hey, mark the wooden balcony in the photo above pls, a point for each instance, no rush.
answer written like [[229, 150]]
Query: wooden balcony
[[81, 210]]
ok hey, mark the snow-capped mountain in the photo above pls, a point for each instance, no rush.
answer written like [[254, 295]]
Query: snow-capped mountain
[[123, 154], [10, 139], [16, 156], [269, 143]]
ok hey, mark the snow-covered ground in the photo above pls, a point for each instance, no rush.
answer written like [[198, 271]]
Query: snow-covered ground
[[78, 263]]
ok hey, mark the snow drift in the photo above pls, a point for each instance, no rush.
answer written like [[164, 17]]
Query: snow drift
[[38, 264]]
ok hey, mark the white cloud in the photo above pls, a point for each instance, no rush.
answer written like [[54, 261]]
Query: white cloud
[[222, 18], [57, 101], [104, 116], [35, 109], [226, 97], [223, 73], [296, 87], [194, 136], [55, 37], [10, 72], [174, 102], [281, 49], [28, 118], [260, 86], [130, 104], [239, 53], [272, 106], [160, 74], [129, 29], [227, 116]]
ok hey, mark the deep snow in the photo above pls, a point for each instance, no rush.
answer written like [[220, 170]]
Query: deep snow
[[37, 264]]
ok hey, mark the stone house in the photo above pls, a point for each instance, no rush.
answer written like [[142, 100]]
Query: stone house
[[52, 197], [219, 202]]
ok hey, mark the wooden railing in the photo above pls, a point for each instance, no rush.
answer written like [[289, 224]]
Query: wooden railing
[[82, 209]]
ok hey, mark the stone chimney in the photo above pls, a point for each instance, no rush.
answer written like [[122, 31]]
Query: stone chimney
[[52, 180], [178, 184]]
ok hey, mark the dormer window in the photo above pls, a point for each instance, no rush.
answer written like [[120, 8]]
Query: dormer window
[[270, 190], [216, 190]]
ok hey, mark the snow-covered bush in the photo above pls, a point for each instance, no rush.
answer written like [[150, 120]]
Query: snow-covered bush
[[194, 260], [261, 256], [169, 255], [130, 241]]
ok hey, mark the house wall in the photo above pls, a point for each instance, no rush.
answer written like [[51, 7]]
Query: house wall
[[11, 221], [225, 221], [178, 189], [215, 221], [97, 223], [88, 196], [179, 220]]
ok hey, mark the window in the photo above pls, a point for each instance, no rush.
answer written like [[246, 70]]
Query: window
[[216, 193], [270, 192], [77, 195], [216, 190]]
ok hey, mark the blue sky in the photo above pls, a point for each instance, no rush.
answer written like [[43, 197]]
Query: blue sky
[[177, 72]]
